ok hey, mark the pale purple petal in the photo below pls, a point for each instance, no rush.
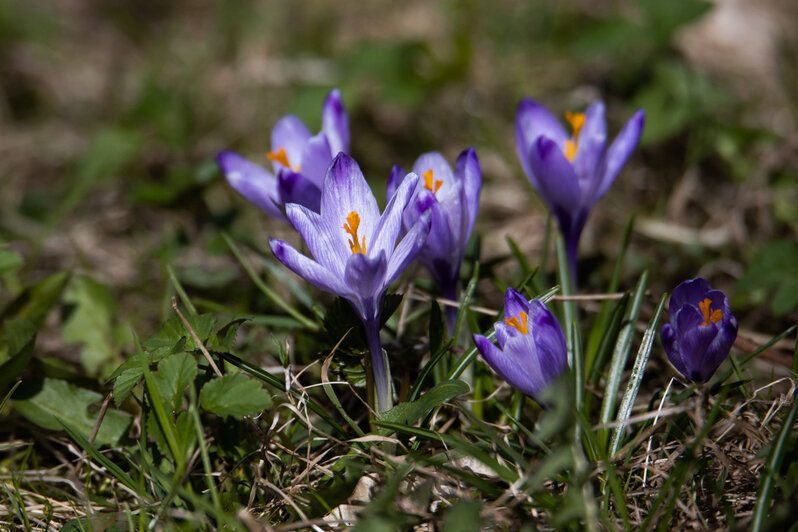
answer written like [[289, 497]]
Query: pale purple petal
[[441, 171], [383, 239], [290, 134], [308, 269], [345, 191], [334, 123], [520, 355], [506, 365], [514, 303], [316, 158], [252, 181], [620, 150], [319, 238], [556, 178], [295, 188], [504, 332], [532, 120], [592, 144], [407, 250], [440, 241], [469, 172], [366, 277]]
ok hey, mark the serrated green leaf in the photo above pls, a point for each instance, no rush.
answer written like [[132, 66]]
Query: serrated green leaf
[[174, 331], [91, 322], [409, 413], [174, 374], [46, 401], [125, 382], [234, 395]]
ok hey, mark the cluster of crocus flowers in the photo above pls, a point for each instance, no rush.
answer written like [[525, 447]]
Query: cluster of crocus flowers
[[299, 160], [701, 331], [532, 351], [572, 172], [355, 251], [451, 200]]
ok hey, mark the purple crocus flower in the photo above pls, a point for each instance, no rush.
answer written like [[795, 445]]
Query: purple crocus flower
[[299, 161], [572, 172], [701, 331], [355, 254], [452, 201], [531, 352]]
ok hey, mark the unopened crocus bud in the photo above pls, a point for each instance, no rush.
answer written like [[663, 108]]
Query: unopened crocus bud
[[701, 331]]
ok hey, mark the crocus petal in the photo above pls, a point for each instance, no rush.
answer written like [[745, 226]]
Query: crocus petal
[[592, 147], [290, 134], [396, 177], [556, 178], [316, 158], [345, 191], [532, 120], [440, 242], [334, 123], [296, 188], [441, 171], [549, 340], [514, 303], [468, 171], [308, 269], [671, 344], [520, 352], [407, 250], [319, 238], [694, 343], [252, 181], [719, 349], [390, 224], [688, 293], [620, 150], [366, 276], [506, 365], [504, 332]]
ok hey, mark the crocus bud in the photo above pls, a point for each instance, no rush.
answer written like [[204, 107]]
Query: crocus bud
[[532, 351], [701, 331]]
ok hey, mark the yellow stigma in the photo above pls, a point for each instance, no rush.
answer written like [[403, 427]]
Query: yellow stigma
[[282, 158], [519, 324], [430, 183], [577, 121], [715, 316], [353, 222]]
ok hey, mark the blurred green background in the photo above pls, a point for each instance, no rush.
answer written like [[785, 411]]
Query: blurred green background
[[111, 112]]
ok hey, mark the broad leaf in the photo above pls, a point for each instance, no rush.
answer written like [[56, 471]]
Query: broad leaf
[[234, 395], [174, 374], [409, 413]]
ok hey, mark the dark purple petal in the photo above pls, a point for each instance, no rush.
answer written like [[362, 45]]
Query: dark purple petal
[[468, 171], [295, 188], [620, 150], [390, 223], [671, 344], [549, 340], [441, 253], [320, 239], [334, 123], [309, 270], [290, 134], [507, 363], [719, 349], [514, 303], [345, 191], [396, 177], [694, 343], [556, 178], [690, 292], [316, 159], [253, 182], [366, 277]]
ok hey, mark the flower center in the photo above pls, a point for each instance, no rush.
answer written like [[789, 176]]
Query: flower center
[[519, 322], [282, 158], [353, 222], [430, 183], [577, 121], [716, 315]]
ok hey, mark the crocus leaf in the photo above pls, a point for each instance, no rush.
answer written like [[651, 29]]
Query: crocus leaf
[[409, 413], [47, 401], [234, 395]]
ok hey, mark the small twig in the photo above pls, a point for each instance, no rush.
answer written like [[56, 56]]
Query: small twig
[[196, 338]]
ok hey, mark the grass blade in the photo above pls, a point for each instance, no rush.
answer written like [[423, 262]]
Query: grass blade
[[628, 401]]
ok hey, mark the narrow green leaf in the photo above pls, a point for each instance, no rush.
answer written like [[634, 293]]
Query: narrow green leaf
[[19, 336], [180, 290], [625, 410], [35, 302]]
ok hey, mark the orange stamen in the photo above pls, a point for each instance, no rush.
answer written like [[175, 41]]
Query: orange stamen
[[351, 227], [430, 183], [715, 316], [282, 157], [577, 121], [521, 324]]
